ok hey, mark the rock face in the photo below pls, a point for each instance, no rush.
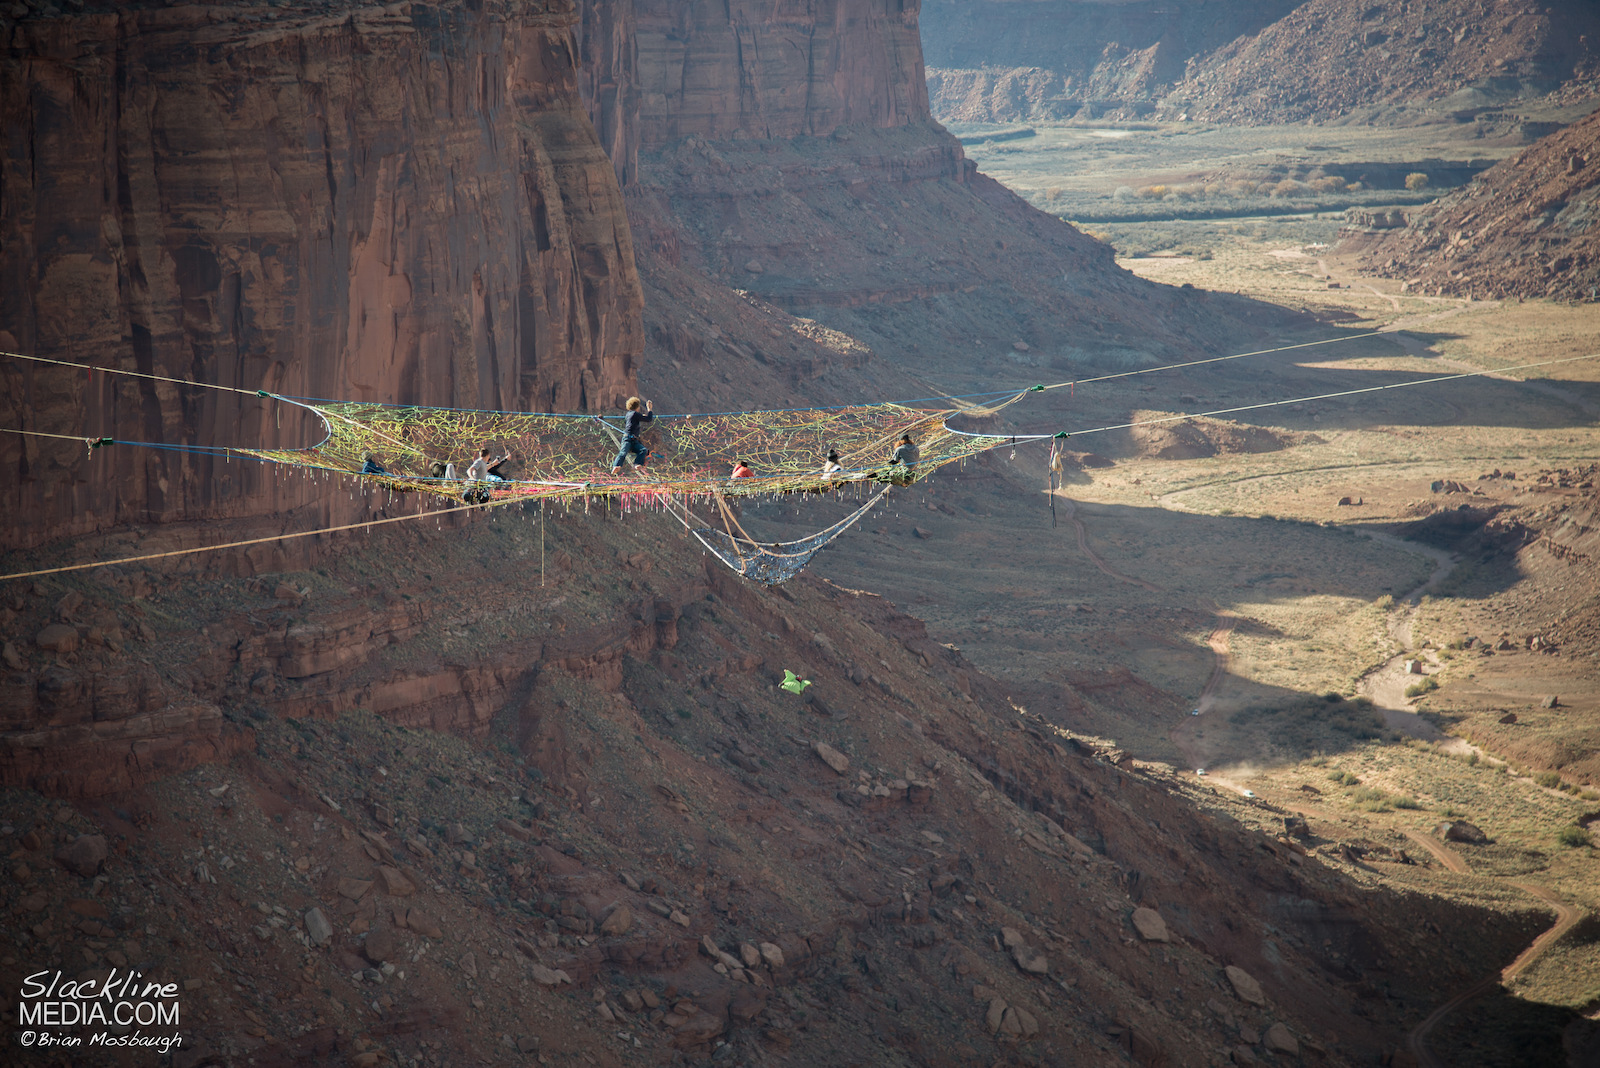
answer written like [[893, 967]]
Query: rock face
[[725, 69], [1522, 229], [1005, 60], [283, 201]]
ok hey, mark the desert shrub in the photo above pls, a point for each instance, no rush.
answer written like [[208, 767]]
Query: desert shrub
[[1287, 188], [1343, 778], [1548, 779], [1384, 603], [1330, 184], [1472, 759], [1573, 836], [1416, 180], [1451, 812], [1123, 192], [1405, 801], [1417, 689], [1154, 192], [1371, 799], [1052, 194]]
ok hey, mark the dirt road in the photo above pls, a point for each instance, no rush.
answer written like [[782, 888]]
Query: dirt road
[[1083, 547], [1567, 917]]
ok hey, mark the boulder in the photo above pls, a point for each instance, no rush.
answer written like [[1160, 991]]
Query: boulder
[[1245, 985], [772, 954], [618, 923], [84, 855], [1030, 960], [1278, 1039], [832, 757], [318, 929], [423, 924], [380, 946], [1508, 718], [1150, 925], [394, 883], [1296, 826], [995, 1015], [1550, 702], [1461, 831], [548, 976], [57, 638]]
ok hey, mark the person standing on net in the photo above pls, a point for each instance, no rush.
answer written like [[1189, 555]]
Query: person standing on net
[[639, 413]]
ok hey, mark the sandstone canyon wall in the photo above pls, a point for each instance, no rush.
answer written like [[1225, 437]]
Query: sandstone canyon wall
[[392, 202], [1524, 228], [1005, 60], [787, 154]]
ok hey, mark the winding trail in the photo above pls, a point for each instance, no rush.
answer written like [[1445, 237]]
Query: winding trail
[[1083, 547]]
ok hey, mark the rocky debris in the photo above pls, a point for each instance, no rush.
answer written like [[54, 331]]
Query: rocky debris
[[771, 954], [1150, 925], [1296, 826], [11, 658], [514, 829], [84, 855], [546, 976], [1278, 1039], [1519, 229], [1244, 985], [1460, 831], [318, 929], [1447, 486], [831, 757]]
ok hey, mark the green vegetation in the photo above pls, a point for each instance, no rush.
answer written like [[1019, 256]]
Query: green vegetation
[[1344, 778], [1573, 837], [1426, 686], [1416, 181]]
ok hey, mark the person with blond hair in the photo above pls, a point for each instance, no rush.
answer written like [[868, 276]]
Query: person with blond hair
[[639, 413]]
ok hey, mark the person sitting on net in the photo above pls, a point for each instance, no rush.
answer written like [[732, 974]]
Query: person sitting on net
[[639, 413], [742, 470], [479, 474], [902, 466], [370, 466], [833, 466]]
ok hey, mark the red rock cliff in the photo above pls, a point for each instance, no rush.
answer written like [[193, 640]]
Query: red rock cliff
[[401, 202], [777, 68]]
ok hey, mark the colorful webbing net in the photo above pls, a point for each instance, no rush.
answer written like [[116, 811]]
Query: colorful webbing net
[[570, 456]]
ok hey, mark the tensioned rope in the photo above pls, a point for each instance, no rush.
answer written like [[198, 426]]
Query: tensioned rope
[[698, 415], [805, 547], [227, 545], [1277, 403]]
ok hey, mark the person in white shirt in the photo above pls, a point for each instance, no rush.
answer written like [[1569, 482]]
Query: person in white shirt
[[480, 473]]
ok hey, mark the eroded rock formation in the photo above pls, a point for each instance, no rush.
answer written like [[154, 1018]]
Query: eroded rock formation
[[400, 203]]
